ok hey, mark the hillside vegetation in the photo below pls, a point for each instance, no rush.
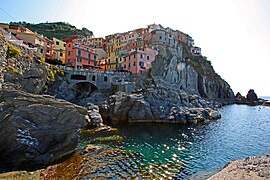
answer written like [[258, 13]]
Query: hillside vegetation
[[59, 30]]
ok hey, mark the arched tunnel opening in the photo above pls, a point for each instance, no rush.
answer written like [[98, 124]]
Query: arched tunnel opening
[[84, 89]]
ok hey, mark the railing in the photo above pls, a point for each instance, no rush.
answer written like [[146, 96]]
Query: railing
[[70, 69]]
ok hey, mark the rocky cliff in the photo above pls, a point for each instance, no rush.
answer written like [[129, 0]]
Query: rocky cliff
[[194, 76], [175, 91]]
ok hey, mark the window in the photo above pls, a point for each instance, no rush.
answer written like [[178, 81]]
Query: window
[[57, 42], [128, 65], [125, 66], [88, 62], [141, 56], [125, 59], [61, 54], [95, 57], [68, 52], [128, 57], [134, 63], [154, 32], [79, 60], [79, 52], [41, 50], [89, 56], [160, 37], [105, 78], [148, 57], [64, 45], [93, 78], [68, 60], [116, 60], [134, 56], [68, 45]]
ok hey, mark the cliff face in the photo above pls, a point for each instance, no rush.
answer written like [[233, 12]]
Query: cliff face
[[192, 76]]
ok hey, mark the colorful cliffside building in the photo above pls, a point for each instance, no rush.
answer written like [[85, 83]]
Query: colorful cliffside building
[[50, 52], [60, 49], [138, 61], [81, 57]]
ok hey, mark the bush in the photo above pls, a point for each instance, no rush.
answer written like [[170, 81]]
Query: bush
[[41, 58], [13, 51], [107, 139], [11, 68], [27, 57]]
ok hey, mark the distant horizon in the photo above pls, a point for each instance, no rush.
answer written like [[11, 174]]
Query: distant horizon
[[233, 34]]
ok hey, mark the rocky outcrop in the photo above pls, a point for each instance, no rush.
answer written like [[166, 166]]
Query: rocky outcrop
[[36, 130], [93, 118], [252, 96], [137, 108], [250, 99], [195, 76], [248, 168], [32, 81]]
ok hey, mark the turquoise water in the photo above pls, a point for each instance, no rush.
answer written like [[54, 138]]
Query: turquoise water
[[182, 150]]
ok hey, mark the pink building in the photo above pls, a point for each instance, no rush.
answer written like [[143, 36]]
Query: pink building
[[138, 62], [81, 57]]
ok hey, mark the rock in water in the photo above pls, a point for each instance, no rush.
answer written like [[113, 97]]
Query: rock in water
[[252, 96], [124, 107], [36, 130], [93, 118]]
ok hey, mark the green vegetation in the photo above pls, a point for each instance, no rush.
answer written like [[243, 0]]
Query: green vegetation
[[13, 51], [40, 58], [107, 139], [11, 68], [59, 30], [27, 57], [204, 67], [52, 72]]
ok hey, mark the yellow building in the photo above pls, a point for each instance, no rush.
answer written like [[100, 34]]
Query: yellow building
[[112, 61], [60, 48]]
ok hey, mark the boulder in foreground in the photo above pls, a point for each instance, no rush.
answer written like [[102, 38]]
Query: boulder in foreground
[[36, 130]]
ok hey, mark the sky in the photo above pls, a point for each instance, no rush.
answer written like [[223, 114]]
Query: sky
[[233, 34]]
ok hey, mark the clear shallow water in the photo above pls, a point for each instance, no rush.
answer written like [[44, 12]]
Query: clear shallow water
[[184, 150]]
